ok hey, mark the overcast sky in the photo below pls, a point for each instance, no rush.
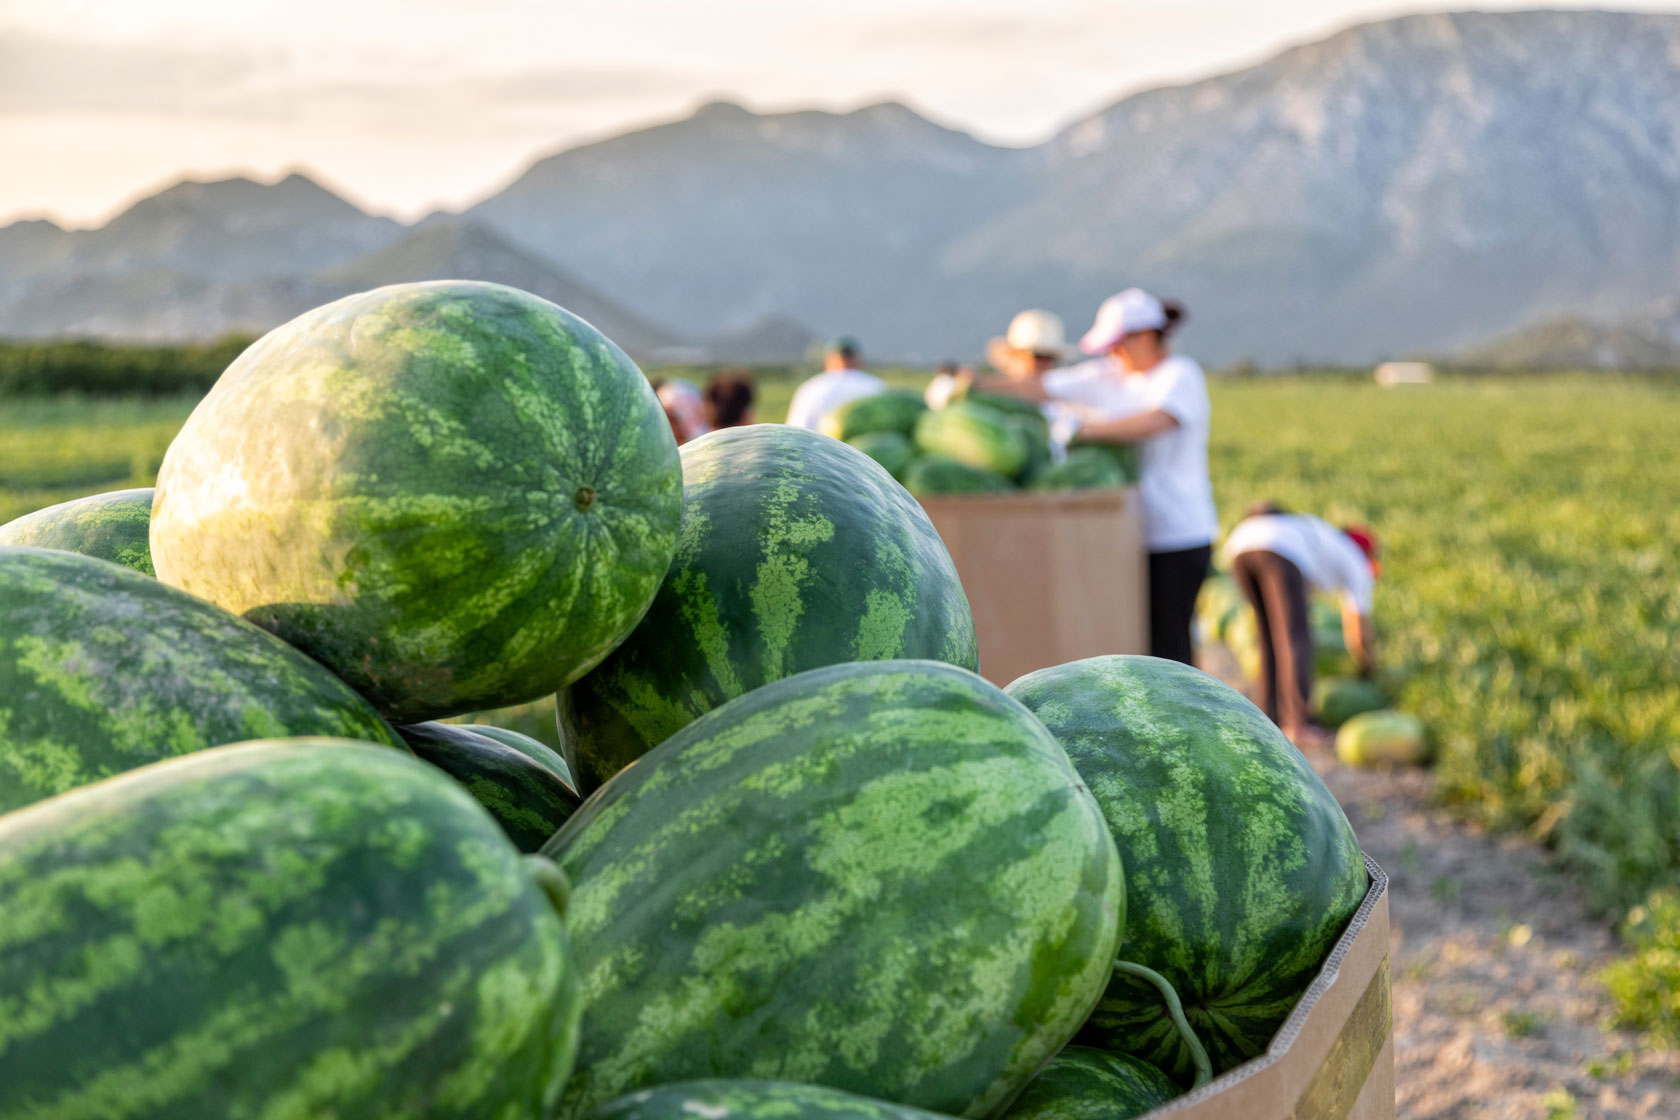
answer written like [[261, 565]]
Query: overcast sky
[[406, 106]]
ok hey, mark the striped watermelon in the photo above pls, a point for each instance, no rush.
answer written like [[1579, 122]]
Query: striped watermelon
[[111, 526], [455, 495], [931, 475], [891, 411], [883, 877], [528, 800], [752, 1100], [1124, 455], [796, 551], [890, 449], [1085, 468], [290, 928], [1241, 869], [103, 669], [1339, 699], [1081, 1083], [975, 434], [535, 749]]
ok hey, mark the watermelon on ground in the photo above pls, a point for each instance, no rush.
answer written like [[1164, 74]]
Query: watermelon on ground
[[111, 526], [752, 1100], [892, 450], [1082, 1083], [933, 475], [883, 877], [455, 495], [1383, 737], [891, 411], [1339, 699], [529, 800], [797, 551], [1241, 869], [103, 670], [1330, 653], [974, 434], [301, 928]]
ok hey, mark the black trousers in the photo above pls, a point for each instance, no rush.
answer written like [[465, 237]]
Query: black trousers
[[1175, 578], [1274, 586]]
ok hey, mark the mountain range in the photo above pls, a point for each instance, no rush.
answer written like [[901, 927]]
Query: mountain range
[[1417, 185]]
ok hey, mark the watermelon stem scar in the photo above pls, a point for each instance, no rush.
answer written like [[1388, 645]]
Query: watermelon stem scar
[[1175, 1011], [584, 498]]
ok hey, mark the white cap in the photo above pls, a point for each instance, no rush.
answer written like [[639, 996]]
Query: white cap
[[1037, 332], [1126, 313]]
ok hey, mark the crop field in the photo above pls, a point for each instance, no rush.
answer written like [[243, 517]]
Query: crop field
[[1529, 609]]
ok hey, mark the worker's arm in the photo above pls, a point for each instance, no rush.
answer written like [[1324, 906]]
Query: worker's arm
[[1027, 388], [1129, 429], [1356, 634]]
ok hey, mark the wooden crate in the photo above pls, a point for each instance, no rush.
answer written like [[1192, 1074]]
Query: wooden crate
[[1050, 577], [1333, 1058]]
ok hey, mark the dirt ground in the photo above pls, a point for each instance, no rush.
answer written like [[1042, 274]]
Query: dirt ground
[[1498, 1013]]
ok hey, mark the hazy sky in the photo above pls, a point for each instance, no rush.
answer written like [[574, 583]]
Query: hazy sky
[[410, 105]]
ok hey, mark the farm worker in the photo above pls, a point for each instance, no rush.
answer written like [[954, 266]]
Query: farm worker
[[729, 399], [840, 382], [1034, 344], [684, 407], [1135, 391], [1275, 557]]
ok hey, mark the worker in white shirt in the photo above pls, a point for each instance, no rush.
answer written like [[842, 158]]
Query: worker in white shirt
[[1276, 557], [840, 383], [1139, 392]]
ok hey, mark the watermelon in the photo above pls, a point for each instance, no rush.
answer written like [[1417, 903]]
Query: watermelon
[[1241, 869], [1330, 652], [455, 495], [1217, 605], [883, 877], [1018, 407], [1082, 1083], [941, 474], [298, 927], [1382, 737], [1038, 445], [528, 800], [797, 551], [1339, 699], [891, 411], [534, 749], [890, 449], [103, 669], [1126, 456], [752, 1100], [111, 526], [1085, 468], [974, 434]]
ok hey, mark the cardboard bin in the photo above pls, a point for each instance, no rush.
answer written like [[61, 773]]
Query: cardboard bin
[[1050, 577], [1333, 1058]]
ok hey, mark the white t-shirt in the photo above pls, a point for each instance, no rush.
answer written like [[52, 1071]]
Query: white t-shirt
[[827, 391], [1328, 558], [1178, 510]]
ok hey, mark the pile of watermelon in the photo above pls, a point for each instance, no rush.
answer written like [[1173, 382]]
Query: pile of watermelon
[[1368, 731], [978, 443], [794, 857]]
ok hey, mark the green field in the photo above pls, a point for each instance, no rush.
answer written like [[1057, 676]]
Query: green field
[[1529, 609]]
